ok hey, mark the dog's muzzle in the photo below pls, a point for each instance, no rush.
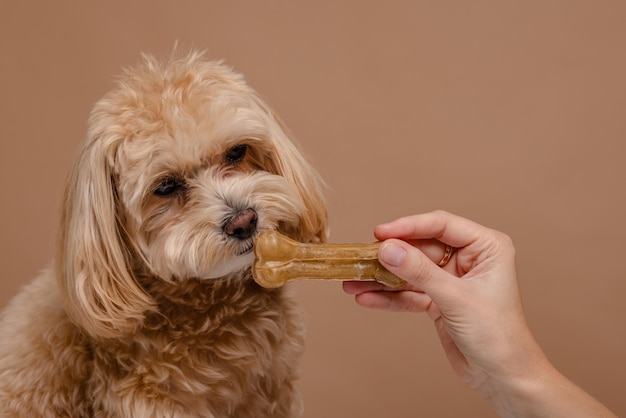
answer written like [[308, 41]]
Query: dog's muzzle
[[242, 225]]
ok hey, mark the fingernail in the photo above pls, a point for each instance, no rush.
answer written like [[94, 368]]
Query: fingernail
[[392, 254]]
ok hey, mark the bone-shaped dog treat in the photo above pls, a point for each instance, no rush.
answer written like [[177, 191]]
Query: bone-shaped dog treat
[[280, 259]]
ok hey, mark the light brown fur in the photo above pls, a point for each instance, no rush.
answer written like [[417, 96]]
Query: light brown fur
[[150, 309]]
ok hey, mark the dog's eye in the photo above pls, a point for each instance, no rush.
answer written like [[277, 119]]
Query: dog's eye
[[236, 153], [168, 186]]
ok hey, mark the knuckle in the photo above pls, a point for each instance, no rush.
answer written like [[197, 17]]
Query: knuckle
[[505, 241], [441, 212], [501, 244]]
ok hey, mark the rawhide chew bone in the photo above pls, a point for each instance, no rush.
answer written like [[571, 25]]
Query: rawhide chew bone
[[280, 259]]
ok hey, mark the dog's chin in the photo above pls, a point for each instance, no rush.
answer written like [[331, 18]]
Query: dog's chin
[[232, 267]]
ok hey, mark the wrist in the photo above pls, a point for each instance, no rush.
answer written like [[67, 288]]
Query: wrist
[[520, 379], [545, 392], [518, 395]]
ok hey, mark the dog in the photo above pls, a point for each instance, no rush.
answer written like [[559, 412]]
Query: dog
[[149, 308]]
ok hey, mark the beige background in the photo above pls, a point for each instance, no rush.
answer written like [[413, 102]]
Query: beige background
[[510, 113]]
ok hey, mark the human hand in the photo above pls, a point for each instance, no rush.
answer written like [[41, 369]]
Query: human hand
[[475, 304], [473, 300]]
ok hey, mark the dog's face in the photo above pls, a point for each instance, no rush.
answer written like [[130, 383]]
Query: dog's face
[[200, 172], [194, 211], [183, 164]]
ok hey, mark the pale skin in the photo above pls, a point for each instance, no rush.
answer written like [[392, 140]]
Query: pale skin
[[476, 307]]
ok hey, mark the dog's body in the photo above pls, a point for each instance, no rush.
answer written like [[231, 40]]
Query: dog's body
[[150, 309]]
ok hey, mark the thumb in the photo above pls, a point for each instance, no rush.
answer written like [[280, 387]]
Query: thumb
[[412, 265]]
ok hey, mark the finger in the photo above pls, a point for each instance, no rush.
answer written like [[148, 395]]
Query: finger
[[432, 248], [416, 268], [403, 301], [443, 226], [354, 287]]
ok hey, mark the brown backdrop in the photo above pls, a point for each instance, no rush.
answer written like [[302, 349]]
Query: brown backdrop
[[510, 113]]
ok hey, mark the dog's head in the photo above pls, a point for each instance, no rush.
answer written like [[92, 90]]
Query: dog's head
[[182, 165]]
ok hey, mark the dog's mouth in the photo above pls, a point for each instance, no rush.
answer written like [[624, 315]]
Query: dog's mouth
[[248, 248]]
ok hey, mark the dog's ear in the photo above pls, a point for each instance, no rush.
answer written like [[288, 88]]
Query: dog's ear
[[288, 161], [99, 289]]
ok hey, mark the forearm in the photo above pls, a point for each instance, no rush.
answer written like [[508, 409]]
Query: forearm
[[548, 394]]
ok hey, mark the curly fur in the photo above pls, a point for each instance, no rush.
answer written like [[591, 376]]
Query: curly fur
[[150, 309]]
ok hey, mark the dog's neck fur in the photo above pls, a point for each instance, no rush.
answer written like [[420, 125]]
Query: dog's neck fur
[[183, 302], [198, 322]]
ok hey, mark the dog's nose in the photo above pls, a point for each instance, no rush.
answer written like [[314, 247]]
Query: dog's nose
[[242, 225]]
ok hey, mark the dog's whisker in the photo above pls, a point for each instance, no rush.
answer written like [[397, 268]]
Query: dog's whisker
[[247, 249]]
